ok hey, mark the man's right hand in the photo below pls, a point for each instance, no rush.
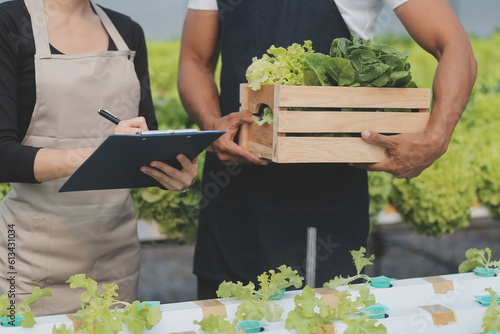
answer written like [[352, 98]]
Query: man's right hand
[[198, 90], [227, 150]]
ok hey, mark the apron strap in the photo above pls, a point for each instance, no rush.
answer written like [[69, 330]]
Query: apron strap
[[39, 25], [110, 27], [41, 36]]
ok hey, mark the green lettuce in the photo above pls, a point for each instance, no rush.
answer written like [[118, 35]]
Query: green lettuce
[[359, 62], [280, 66], [440, 199]]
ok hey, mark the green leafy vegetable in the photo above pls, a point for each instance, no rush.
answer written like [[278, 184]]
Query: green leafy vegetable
[[491, 320], [352, 62], [315, 61], [99, 313], [439, 200], [258, 304], [280, 66], [360, 261], [272, 282], [340, 71], [477, 258], [311, 313], [267, 117], [362, 324], [24, 307], [216, 324]]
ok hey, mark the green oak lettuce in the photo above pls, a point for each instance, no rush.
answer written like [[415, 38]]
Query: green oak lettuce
[[440, 199], [280, 66]]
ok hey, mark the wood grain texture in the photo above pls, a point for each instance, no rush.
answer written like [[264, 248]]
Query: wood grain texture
[[326, 149], [347, 121], [353, 97]]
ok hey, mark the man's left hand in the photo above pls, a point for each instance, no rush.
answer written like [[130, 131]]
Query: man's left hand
[[408, 154]]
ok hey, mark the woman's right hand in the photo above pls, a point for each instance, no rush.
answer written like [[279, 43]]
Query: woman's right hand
[[131, 126]]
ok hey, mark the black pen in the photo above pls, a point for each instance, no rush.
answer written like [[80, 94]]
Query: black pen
[[109, 116]]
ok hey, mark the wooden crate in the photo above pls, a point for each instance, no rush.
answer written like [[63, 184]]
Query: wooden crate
[[279, 142]]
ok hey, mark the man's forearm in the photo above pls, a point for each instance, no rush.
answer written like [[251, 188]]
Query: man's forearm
[[199, 94], [453, 83]]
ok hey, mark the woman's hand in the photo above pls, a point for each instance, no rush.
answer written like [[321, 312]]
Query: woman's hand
[[172, 178], [131, 126]]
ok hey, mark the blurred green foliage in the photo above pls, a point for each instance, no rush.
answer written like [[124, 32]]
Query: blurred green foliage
[[437, 202]]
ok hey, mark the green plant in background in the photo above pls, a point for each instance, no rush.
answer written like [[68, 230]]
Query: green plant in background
[[480, 125], [488, 190], [380, 185], [163, 58], [176, 213], [440, 199]]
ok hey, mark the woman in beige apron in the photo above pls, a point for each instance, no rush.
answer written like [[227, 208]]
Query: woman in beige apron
[[94, 232]]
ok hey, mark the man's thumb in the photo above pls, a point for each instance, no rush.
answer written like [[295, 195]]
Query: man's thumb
[[367, 135], [372, 137]]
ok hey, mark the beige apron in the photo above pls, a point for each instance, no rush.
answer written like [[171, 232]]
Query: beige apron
[[90, 232]]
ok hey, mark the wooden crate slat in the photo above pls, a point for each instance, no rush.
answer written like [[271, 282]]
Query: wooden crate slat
[[252, 100], [257, 139], [346, 121], [353, 97], [326, 149]]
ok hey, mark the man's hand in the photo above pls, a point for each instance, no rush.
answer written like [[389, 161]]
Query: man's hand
[[435, 27], [227, 150], [408, 154]]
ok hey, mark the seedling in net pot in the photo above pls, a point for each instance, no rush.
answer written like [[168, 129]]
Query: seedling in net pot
[[258, 304], [14, 315], [360, 261], [100, 313], [479, 261]]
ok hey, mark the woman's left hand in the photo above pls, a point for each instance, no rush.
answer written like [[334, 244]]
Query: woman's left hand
[[171, 177]]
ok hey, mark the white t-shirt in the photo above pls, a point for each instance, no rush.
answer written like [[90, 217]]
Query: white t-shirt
[[359, 15]]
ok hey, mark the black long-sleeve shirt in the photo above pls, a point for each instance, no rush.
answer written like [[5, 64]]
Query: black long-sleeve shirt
[[18, 91]]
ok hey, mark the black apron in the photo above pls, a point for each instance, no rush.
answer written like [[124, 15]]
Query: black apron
[[255, 218]]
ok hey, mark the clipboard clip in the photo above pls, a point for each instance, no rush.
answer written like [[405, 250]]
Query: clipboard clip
[[171, 131]]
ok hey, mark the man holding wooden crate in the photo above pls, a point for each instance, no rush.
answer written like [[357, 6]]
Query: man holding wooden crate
[[255, 215]]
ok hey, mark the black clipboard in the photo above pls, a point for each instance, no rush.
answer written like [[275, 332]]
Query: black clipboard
[[116, 163]]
